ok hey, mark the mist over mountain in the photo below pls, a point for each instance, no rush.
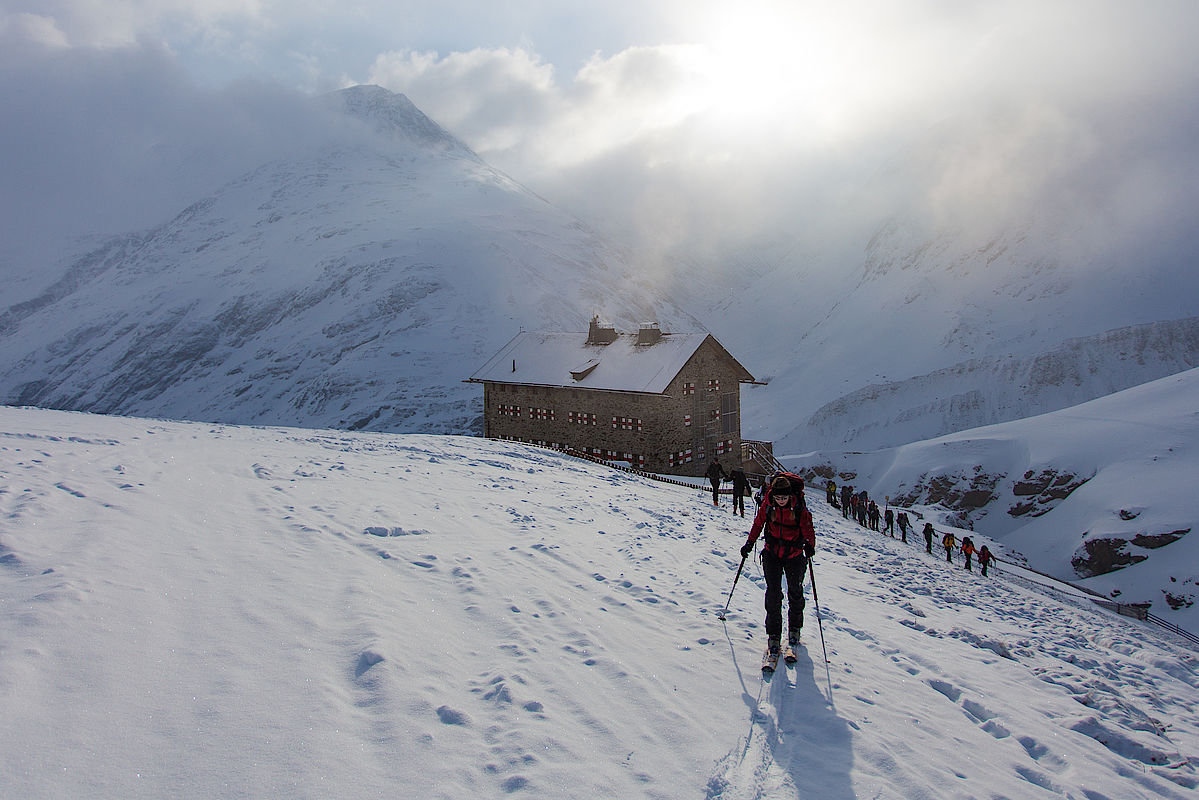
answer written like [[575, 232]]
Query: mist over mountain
[[351, 286], [919, 326], [354, 280]]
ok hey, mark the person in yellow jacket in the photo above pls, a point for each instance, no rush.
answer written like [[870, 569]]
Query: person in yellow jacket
[[950, 541]]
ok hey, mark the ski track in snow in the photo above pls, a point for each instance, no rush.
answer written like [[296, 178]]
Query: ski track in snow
[[788, 729], [271, 611]]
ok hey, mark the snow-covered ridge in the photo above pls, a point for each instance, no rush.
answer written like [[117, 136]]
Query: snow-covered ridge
[[926, 321], [995, 389], [394, 115], [1102, 491], [286, 612]]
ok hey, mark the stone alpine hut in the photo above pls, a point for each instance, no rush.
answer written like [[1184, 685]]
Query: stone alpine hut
[[664, 402]]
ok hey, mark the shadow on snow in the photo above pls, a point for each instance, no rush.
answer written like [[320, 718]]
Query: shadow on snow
[[795, 745]]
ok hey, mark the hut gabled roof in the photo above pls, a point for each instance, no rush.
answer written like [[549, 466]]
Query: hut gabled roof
[[622, 365]]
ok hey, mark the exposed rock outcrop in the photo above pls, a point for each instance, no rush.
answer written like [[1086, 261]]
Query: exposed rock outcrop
[[1043, 491], [1101, 555]]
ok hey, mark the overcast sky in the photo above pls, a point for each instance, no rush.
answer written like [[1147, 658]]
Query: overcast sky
[[683, 119]]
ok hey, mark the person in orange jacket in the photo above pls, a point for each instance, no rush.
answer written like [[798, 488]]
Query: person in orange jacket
[[968, 551], [785, 521]]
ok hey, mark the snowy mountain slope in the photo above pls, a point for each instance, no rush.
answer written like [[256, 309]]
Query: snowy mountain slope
[[213, 611], [355, 285], [911, 298], [353, 288], [1100, 493], [998, 388]]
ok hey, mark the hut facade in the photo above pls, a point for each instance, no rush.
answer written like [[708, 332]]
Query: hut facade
[[663, 402]]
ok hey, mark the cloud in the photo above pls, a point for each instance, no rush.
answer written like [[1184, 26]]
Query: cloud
[[796, 116], [100, 141], [33, 28], [123, 23], [690, 124], [511, 94]]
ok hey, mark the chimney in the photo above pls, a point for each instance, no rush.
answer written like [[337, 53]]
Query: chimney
[[649, 333], [600, 334]]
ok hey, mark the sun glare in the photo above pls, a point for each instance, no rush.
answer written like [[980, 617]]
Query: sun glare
[[774, 66]]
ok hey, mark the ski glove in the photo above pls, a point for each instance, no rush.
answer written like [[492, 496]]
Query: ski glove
[[809, 549], [746, 549]]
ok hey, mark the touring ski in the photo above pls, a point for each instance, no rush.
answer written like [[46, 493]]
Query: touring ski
[[770, 661]]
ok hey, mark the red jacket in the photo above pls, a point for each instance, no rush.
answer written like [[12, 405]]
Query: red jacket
[[786, 532]]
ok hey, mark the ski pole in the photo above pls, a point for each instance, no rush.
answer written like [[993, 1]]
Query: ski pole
[[820, 625], [724, 611]]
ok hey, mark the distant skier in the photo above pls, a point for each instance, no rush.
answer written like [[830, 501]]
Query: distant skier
[[985, 557], [785, 521], [873, 515], [740, 489], [902, 519], [889, 523], [950, 541], [715, 475], [968, 551], [928, 534], [846, 499], [830, 493]]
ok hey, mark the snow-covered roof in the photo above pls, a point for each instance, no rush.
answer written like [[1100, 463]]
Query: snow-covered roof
[[565, 359]]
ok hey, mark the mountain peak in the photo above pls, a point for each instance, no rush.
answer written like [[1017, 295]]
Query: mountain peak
[[393, 114]]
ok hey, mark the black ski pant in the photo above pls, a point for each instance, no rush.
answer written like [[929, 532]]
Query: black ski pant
[[928, 543], [774, 569], [738, 501], [715, 491]]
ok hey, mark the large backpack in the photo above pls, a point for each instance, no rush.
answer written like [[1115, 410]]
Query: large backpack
[[797, 483], [793, 534]]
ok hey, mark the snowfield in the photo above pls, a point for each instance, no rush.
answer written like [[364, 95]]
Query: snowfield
[[1101, 493], [196, 610]]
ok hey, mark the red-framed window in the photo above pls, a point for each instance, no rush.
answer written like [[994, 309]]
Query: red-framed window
[[680, 458]]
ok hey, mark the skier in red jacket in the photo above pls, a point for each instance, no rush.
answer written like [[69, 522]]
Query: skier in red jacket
[[790, 541]]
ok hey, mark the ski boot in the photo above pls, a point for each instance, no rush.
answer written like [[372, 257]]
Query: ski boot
[[771, 658], [792, 643]]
